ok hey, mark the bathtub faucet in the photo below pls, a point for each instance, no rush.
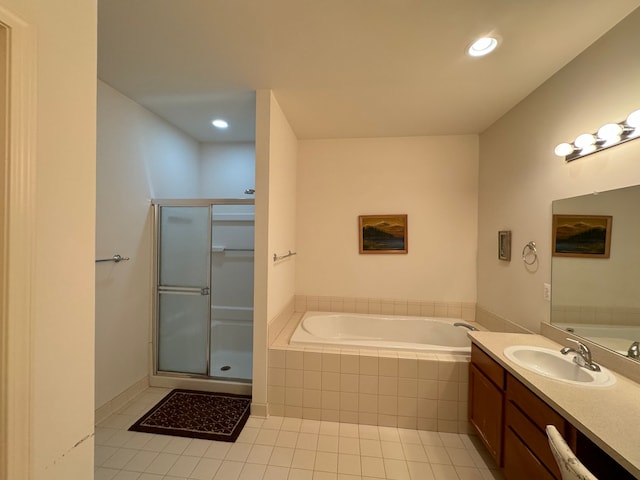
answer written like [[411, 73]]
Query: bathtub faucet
[[465, 325]]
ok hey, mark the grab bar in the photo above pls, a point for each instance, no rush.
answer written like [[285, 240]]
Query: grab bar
[[116, 259], [277, 257]]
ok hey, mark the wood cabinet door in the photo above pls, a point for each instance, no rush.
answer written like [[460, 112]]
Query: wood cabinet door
[[486, 407]]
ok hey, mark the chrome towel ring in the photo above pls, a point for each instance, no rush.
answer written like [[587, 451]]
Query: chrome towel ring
[[529, 251]]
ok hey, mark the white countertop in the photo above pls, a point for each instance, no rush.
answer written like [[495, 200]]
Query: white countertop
[[608, 416]]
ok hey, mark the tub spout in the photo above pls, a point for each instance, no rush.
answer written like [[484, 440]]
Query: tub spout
[[465, 325]]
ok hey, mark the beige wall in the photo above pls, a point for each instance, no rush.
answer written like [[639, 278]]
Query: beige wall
[[274, 283], [62, 300], [520, 175], [227, 169], [139, 156], [432, 179]]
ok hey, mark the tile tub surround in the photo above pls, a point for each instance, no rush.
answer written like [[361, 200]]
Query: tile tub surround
[[367, 386]]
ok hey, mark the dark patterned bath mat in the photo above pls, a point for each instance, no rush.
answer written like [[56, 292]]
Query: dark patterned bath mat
[[189, 413]]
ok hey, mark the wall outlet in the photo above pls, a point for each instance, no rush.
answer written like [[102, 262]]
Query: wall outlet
[[547, 292]]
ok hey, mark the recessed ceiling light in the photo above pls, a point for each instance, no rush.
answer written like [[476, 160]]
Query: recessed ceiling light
[[482, 46], [219, 123]]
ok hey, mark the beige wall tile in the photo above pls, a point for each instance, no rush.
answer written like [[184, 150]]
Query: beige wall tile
[[368, 403], [408, 407], [330, 400], [368, 365], [407, 367], [427, 369], [331, 362], [311, 413], [293, 397], [276, 376], [312, 361], [388, 366], [312, 380], [448, 391], [330, 381], [387, 420], [294, 359], [408, 387], [428, 389], [427, 408], [447, 410], [348, 402], [407, 422], [388, 385], [277, 358], [349, 382], [294, 378], [311, 399], [368, 384], [349, 363], [367, 418], [387, 405]]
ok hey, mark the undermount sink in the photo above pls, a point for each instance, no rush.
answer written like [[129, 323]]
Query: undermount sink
[[553, 364]]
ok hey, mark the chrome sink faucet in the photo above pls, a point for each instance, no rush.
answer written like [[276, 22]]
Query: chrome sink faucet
[[583, 355], [634, 351]]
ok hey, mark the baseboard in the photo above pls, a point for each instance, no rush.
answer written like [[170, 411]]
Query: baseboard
[[120, 400]]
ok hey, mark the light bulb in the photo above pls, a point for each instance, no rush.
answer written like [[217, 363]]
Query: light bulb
[[219, 123], [563, 149], [633, 120], [482, 46], [610, 132], [588, 149], [584, 140]]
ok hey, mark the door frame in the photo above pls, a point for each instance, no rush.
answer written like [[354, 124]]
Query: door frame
[[17, 244]]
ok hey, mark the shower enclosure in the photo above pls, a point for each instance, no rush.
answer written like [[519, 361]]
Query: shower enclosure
[[204, 289]]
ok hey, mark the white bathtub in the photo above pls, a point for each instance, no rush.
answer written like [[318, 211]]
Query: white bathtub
[[425, 334], [615, 337]]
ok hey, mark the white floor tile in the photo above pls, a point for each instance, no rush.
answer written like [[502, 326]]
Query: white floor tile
[[281, 457], [218, 450], [420, 471], [252, 472], [206, 469], [280, 448], [183, 466], [260, 454], [120, 458], [392, 450], [397, 469], [372, 467], [300, 474], [307, 441], [349, 464], [274, 472], [141, 461], [445, 472], [197, 447], [101, 473], [162, 463], [229, 470], [326, 462], [124, 475], [303, 459]]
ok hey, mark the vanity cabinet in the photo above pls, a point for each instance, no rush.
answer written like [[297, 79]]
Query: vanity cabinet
[[511, 422]]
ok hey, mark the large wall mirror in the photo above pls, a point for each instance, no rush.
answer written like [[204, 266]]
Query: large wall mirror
[[597, 296]]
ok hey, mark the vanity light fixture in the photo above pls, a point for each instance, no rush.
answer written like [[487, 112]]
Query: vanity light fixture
[[608, 135], [219, 123]]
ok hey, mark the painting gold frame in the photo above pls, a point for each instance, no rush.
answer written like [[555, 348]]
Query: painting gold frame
[[382, 234]]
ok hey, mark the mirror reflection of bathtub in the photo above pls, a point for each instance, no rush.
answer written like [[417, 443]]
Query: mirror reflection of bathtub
[[599, 298]]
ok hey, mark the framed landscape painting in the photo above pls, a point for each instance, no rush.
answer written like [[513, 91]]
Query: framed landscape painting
[[382, 233], [587, 236]]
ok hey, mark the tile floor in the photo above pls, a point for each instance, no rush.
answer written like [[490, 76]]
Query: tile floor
[[280, 448]]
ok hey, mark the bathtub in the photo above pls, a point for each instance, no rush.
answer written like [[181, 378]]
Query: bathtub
[[614, 337], [424, 334]]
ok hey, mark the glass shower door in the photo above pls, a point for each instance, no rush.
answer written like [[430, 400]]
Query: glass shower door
[[184, 311]]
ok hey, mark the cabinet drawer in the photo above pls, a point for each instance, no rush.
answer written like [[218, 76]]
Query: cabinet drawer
[[536, 440], [538, 412], [488, 366], [520, 463]]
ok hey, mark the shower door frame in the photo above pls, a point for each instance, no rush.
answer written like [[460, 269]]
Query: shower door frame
[[205, 202]]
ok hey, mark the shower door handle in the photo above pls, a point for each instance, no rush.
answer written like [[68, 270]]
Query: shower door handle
[[204, 291]]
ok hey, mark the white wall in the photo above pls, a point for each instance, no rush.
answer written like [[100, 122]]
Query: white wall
[[520, 175], [139, 156], [432, 179], [227, 169], [276, 155], [62, 296]]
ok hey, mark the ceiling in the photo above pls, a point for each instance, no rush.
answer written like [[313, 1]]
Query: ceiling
[[341, 68]]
